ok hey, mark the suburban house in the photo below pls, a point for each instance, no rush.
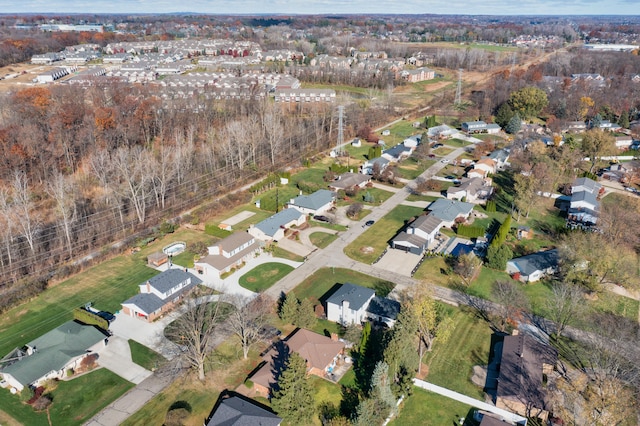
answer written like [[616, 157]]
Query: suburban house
[[584, 206], [51, 355], [486, 164], [160, 294], [272, 228], [319, 202], [321, 353], [354, 304], [623, 142], [418, 234], [397, 153], [418, 74], [450, 210], [369, 166], [533, 267], [350, 180], [228, 253], [575, 126], [441, 132], [501, 157], [470, 189], [480, 127], [237, 410], [524, 364], [412, 141]]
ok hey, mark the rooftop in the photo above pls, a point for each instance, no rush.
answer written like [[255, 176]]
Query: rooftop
[[449, 210], [271, 224], [356, 295]]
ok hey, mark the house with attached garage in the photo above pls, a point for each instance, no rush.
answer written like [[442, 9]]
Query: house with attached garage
[[354, 304], [350, 180], [317, 203], [450, 210], [273, 228], [470, 189], [584, 206], [470, 127], [51, 355], [418, 235], [228, 253], [160, 294], [533, 267]]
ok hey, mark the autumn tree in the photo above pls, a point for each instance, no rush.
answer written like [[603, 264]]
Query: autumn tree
[[401, 354], [467, 266], [524, 186], [293, 398], [595, 144], [512, 301], [565, 305], [25, 215], [528, 101]]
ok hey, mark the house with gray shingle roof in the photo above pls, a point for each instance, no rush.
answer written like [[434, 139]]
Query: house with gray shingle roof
[[272, 228], [354, 304], [51, 355], [240, 411], [449, 210], [533, 267], [160, 294], [418, 234], [319, 202]]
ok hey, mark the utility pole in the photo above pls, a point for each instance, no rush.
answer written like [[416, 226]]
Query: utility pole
[[340, 129], [458, 99]]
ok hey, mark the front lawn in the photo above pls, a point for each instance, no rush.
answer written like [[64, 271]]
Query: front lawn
[[412, 168], [323, 280], [278, 251], [264, 276], [145, 357], [456, 143], [322, 239], [370, 244], [74, 401]]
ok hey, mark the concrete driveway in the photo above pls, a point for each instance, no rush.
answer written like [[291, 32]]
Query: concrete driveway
[[150, 335], [398, 261], [116, 357]]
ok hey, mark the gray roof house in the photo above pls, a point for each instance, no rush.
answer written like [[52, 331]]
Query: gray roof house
[[272, 228], [449, 210], [237, 411], [369, 165], [160, 294], [584, 205], [319, 202], [471, 189], [535, 266], [585, 184], [350, 180], [418, 234], [353, 304], [51, 355], [229, 252]]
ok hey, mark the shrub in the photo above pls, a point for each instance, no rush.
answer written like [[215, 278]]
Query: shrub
[[167, 228], [490, 207], [42, 403]]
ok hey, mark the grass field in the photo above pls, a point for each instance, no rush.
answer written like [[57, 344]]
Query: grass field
[[368, 246], [322, 239], [430, 409], [74, 401], [145, 357], [412, 168], [323, 280], [264, 276]]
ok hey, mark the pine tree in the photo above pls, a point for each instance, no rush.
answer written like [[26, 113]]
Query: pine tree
[[401, 353], [289, 309], [305, 316], [514, 124], [293, 398], [623, 120], [503, 115]]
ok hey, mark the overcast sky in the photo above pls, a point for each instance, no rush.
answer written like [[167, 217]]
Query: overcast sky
[[468, 7]]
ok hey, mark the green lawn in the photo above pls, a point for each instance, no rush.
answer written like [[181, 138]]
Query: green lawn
[[456, 143], [280, 252], [74, 401], [145, 357], [379, 196], [264, 276], [368, 246], [442, 151], [322, 239], [184, 259], [323, 280], [412, 168], [450, 364], [430, 409]]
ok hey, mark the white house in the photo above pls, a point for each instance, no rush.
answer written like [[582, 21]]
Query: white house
[[354, 304], [412, 141], [450, 210], [319, 202], [471, 189], [272, 228], [51, 355], [533, 267], [228, 253]]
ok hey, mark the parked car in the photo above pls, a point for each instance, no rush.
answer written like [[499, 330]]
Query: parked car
[[322, 219], [445, 160], [438, 145], [106, 315], [432, 156], [369, 222]]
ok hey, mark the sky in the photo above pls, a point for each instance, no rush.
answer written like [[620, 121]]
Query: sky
[[466, 7]]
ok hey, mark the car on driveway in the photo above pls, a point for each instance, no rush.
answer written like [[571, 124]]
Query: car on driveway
[[106, 315], [369, 222], [322, 219]]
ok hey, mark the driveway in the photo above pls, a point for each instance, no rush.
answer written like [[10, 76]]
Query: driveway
[[398, 261], [150, 335], [116, 357]]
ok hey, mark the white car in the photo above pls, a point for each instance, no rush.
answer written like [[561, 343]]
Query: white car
[[444, 160]]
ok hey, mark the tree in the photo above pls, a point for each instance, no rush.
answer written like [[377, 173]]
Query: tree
[[467, 266], [193, 331], [512, 301], [354, 210], [595, 144], [528, 101], [380, 403], [400, 353], [293, 398], [305, 316], [247, 321], [24, 210], [565, 305], [62, 190], [504, 115], [514, 124], [623, 120], [498, 256], [289, 308], [524, 186]]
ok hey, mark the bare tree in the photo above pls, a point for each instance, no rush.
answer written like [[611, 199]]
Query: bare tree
[[8, 224], [248, 320], [61, 189], [131, 165], [565, 304], [163, 169], [24, 212], [467, 267], [274, 132], [512, 301]]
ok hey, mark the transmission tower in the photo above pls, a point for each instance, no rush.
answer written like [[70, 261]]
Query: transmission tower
[[458, 99], [340, 129]]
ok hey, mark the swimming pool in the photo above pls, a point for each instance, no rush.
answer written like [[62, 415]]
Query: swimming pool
[[174, 249]]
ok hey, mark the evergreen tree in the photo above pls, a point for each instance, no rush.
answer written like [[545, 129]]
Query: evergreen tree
[[381, 401], [289, 308], [401, 353], [623, 120], [305, 316], [498, 256], [293, 398], [504, 115], [514, 124]]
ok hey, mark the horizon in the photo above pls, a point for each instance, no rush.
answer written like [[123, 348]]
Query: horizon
[[523, 8]]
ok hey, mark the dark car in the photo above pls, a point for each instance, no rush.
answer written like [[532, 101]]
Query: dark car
[[432, 156], [106, 315], [369, 222], [322, 219]]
